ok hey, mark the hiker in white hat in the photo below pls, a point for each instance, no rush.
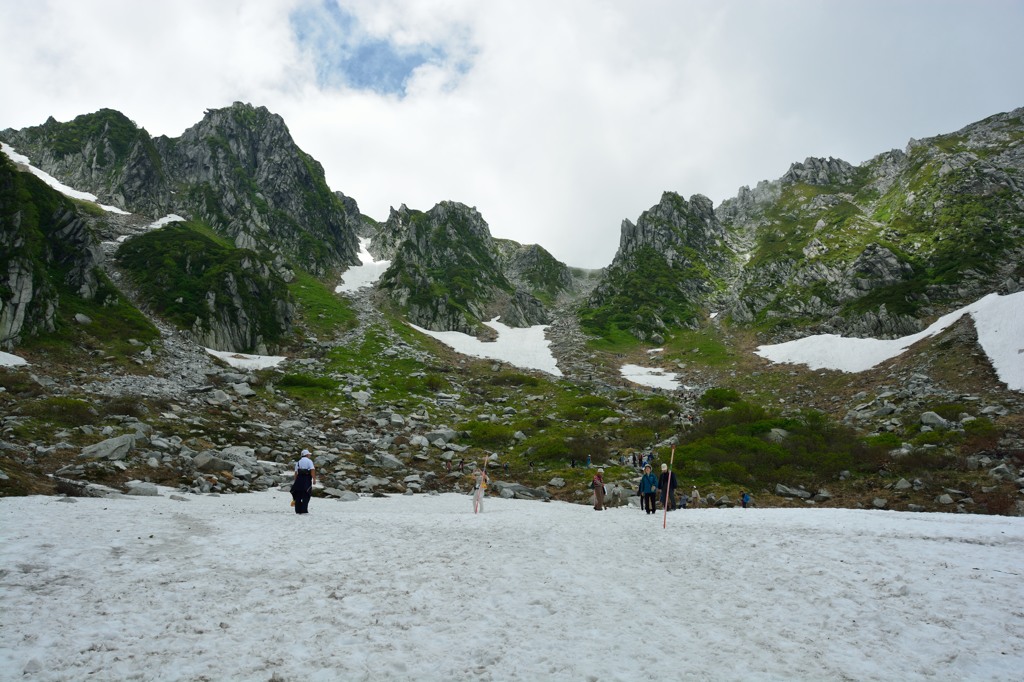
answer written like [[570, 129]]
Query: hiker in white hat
[[302, 484]]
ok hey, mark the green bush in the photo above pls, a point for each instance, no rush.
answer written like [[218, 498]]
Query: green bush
[[489, 434], [507, 378], [63, 411], [717, 398], [889, 441]]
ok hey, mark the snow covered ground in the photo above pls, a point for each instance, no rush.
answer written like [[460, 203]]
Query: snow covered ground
[[655, 377], [54, 182], [523, 347], [246, 361], [10, 360], [998, 319], [360, 276], [419, 588]]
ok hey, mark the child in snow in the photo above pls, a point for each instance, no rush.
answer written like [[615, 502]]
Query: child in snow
[[479, 486]]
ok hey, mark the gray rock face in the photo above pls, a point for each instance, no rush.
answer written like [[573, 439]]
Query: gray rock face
[[682, 239], [56, 242]]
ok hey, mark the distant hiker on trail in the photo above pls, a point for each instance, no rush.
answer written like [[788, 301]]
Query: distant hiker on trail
[[480, 481], [667, 488], [744, 499], [588, 461], [598, 485], [648, 490], [695, 498], [302, 484]]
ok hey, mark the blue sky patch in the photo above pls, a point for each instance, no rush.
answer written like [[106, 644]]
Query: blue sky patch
[[345, 55]]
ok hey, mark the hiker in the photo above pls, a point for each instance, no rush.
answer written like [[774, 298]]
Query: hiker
[[648, 490], [302, 484], [667, 488], [744, 499], [479, 486], [598, 485], [695, 498]]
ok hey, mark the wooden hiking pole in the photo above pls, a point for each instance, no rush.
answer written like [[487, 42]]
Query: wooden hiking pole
[[668, 486]]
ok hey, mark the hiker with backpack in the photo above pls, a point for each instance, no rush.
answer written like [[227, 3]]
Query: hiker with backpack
[[302, 484]]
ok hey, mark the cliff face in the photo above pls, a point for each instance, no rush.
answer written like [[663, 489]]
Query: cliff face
[[237, 170], [225, 298], [669, 265], [446, 273], [46, 249], [870, 250]]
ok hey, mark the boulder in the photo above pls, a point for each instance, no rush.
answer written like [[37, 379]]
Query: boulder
[[786, 491], [142, 488], [113, 448], [934, 421], [519, 491], [1003, 472], [207, 462]]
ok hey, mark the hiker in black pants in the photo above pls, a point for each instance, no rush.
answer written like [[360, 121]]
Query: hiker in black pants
[[302, 485]]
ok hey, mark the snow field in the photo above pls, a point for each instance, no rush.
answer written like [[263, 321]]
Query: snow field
[[419, 587]]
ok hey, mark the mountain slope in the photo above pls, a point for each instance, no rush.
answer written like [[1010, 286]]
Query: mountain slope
[[237, 170], [446, 273], [872, 250]]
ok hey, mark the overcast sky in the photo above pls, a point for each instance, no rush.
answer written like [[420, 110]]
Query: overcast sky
[[557, 119]]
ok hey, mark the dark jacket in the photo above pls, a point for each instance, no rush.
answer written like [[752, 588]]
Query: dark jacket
[[667, 480]]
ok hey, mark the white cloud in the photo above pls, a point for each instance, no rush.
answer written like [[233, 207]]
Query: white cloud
[[571, 115]]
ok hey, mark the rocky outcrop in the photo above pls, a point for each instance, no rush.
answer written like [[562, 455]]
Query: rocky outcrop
[[238, 170], [225, 298], [816, 171], [531, 268], [445, 271], [46, 249], [664, 271]]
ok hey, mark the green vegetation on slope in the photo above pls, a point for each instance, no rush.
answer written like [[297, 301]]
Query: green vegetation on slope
[[180, 266]]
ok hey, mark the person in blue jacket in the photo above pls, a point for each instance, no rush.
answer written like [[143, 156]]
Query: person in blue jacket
[[648, 490]]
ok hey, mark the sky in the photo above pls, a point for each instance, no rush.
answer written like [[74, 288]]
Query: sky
[[418, 587], [556, 119]]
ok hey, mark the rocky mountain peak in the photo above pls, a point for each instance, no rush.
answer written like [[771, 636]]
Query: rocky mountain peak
[[818, 171], [671, 227], [446, 270]]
